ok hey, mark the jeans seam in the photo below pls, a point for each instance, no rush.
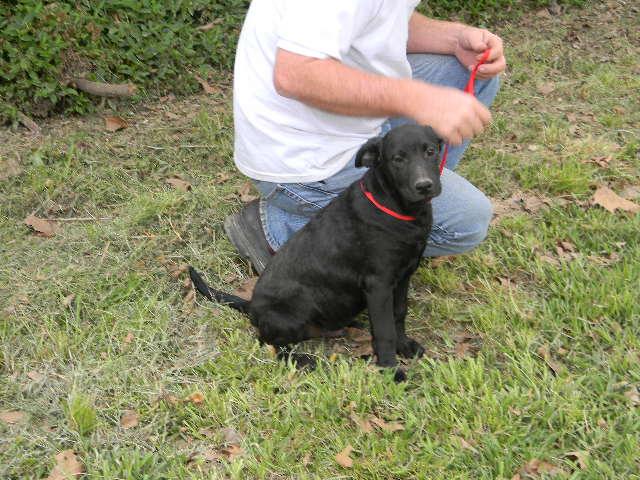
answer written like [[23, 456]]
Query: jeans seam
[[298, 198], [262, 211]]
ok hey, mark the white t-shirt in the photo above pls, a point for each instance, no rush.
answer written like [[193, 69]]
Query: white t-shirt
[[278, 139]]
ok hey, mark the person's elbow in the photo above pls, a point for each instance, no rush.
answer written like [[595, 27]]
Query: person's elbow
[[286, 78]]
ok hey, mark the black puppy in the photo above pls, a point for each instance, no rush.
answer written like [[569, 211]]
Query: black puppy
[[359, 251]]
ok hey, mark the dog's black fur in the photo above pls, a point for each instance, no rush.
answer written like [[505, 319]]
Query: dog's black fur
[[351, 255]]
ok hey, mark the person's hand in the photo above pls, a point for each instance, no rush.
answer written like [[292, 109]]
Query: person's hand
[[453, 114], [472, 42]]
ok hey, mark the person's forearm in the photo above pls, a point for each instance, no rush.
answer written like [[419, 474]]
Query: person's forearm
[[332, 86], [432, 36]]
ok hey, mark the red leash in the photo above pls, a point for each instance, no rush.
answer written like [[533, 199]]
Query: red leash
[[470, 89]]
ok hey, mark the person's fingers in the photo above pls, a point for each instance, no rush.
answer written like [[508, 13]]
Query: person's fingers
[[489, 70], [483, 113]]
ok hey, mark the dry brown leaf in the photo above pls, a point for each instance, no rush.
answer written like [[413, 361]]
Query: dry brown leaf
[[196, 398], [609, 200], [113, 124], [10, 168], [208, 89], [232, 452], [543, 13], [633, 396], [175, 271], [222, 177], [35, 376], [537, 467], [179, 184], [68, 300], [129, 419], [550, 260], [67, 466], [362, 350], [358, 335], [386, 426], [246, 193], [362, 423], [210, 25], [546, 88], [13, 416], [128, 339], [306, 460], [466, 445], [462, 349], [246, 289], [42, 226], [344, 459], [602, 161], [231, 436], [580, 457], [555, 366]]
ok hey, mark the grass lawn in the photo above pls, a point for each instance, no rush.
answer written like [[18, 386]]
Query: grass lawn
[[533, 340]]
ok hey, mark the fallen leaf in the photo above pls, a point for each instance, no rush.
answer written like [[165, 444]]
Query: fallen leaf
[[386, 426], [232, 452], [231, 437], [210, 25], [67, 466], [466, 445], [602, 161], [580, 457], [362, 423], [68, 300], [246, 289], [10, 168], [208, 89], [550, 260], [175, 271], [128, 339], [344, 459], [462, 349], [129, 419], [306, 460], [609, 200], [196, 398], [543, 13], [633, 396], [358, 335], [543, 351], [546, 88], [246, 193], [179, 184], [362, 350], [537, 467], [42, 226], [35, 376], [113, 124], [13, 416], [222, 177]]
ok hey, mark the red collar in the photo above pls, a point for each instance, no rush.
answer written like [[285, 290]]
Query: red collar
[[379, 206]]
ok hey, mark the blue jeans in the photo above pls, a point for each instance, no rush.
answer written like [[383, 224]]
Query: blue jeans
[[461, 212]]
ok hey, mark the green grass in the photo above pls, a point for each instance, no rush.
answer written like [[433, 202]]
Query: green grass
[[555, 350]]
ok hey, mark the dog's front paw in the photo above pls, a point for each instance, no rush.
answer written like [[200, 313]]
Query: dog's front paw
[[399, 375], [410, 349]]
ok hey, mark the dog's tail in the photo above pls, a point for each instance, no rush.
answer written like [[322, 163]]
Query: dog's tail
[[232, 301]]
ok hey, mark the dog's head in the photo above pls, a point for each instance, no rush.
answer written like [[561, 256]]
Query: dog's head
[[409, 159]]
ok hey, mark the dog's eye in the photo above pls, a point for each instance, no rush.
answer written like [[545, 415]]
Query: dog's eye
[[398, 158], [429, 150]]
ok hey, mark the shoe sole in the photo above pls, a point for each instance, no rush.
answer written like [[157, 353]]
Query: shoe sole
[[243, 243]]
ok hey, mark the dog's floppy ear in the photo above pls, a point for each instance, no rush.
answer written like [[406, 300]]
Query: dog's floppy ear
[[370, 153], [433, 135]]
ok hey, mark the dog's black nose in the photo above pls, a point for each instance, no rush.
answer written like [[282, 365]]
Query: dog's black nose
[[424, 186]]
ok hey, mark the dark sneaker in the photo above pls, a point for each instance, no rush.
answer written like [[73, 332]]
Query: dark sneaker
[[244, 230]]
